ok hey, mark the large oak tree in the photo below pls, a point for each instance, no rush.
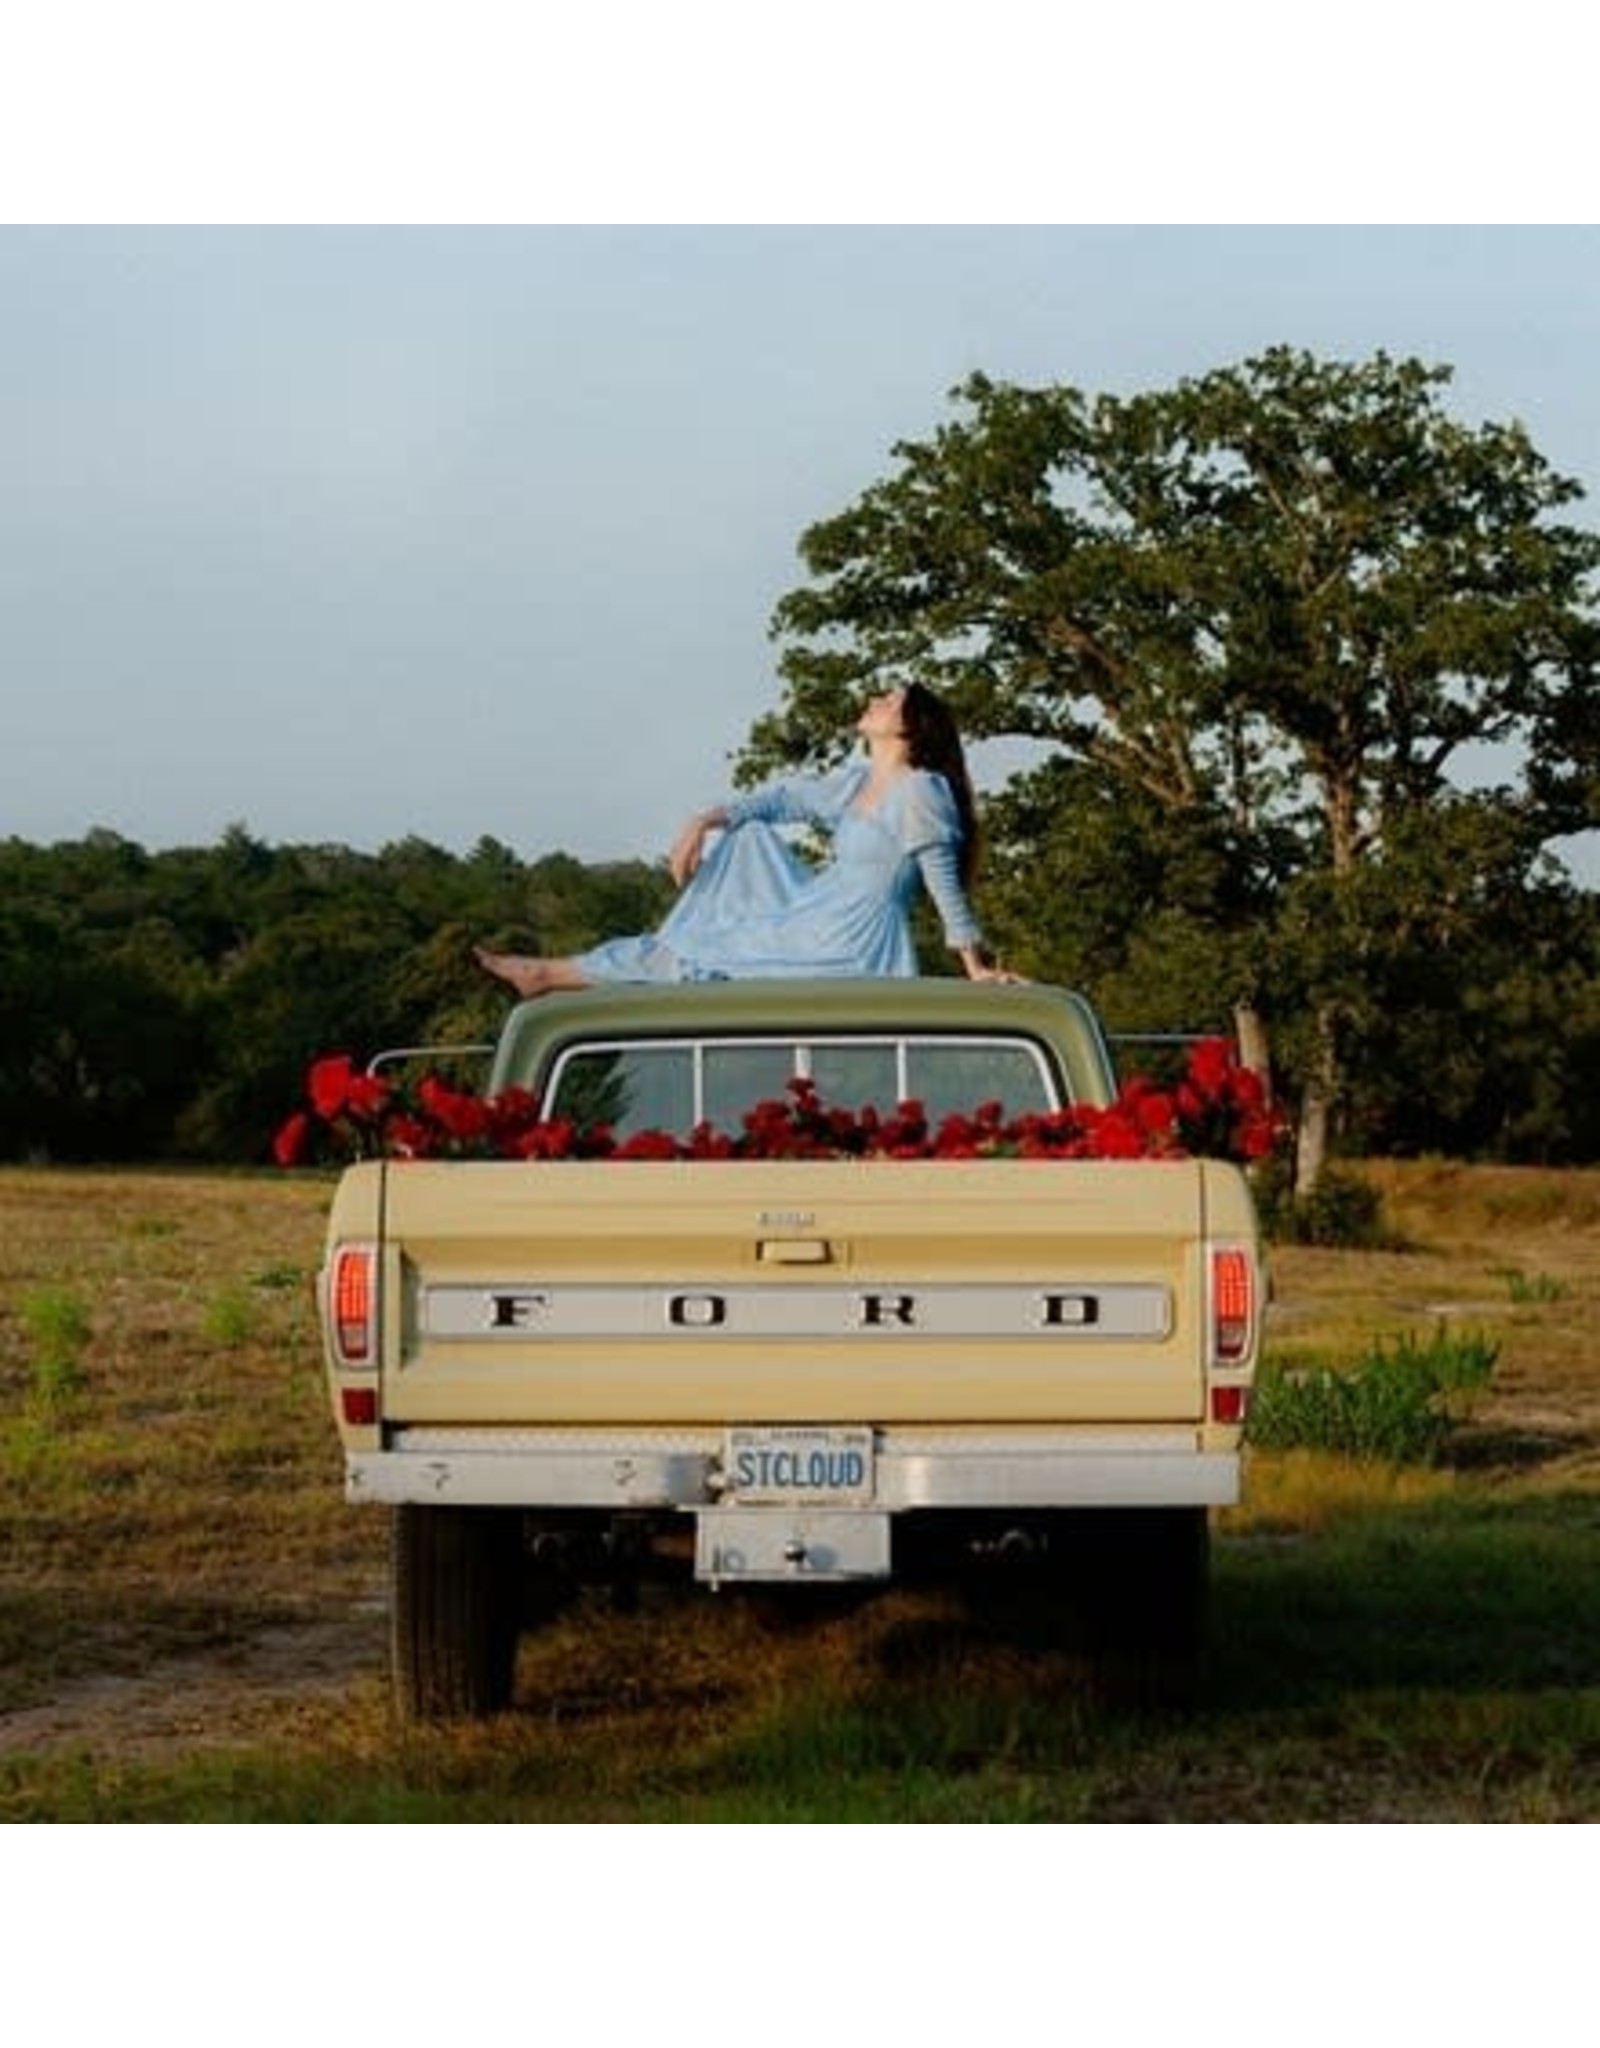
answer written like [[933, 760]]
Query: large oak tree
[[1305, 666]]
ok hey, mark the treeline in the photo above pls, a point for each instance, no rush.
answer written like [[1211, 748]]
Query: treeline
[[163, 1006]]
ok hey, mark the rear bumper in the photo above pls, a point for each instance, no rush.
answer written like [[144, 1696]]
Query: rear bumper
[[632, 1470]]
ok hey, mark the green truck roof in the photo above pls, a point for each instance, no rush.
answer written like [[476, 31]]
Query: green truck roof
[[1062, 1021]]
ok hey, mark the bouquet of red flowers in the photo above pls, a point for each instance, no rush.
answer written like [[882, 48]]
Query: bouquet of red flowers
[[1217, 1110]]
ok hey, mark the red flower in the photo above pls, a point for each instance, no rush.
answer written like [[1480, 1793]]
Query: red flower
[[552, 1140], [328, 1085], [1245, 1090], [958, 1137], [511, 1115], [1150, 1108], [1210, 1063], [464, 1118], [367, 1097], [649, 1145], [289, 1147], [410, 1137], [905, 1134], [1114, 1134]]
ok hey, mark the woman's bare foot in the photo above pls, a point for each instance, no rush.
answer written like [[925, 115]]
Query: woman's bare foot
[[529, 977], [527, 974]]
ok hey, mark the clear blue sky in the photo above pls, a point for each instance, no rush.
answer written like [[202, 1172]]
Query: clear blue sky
[[353, 534]]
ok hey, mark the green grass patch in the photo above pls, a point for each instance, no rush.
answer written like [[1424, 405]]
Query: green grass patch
[[279, 1277], [230, 1320], [1398, 1401], [1530, 1290], [56, 1323]]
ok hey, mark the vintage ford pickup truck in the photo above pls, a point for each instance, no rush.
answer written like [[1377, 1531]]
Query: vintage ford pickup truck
[[806, 1371]]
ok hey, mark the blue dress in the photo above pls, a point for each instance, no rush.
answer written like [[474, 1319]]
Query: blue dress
[[754, 909]]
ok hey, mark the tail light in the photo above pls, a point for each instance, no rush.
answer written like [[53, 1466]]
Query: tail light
[[353, 1304], [1233, 1304]]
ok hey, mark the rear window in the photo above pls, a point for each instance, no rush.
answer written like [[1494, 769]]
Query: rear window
[[672, 1085]]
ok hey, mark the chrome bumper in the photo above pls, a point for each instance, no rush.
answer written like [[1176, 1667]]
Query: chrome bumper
[[625, 1470]]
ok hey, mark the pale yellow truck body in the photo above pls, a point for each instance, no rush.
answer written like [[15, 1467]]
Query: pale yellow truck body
[[805, 1364]]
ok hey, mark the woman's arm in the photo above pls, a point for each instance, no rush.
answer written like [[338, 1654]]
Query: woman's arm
[[688, 849], [803, 800], [940, 866]]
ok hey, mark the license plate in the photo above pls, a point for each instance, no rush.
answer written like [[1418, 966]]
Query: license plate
[[788, 1464]]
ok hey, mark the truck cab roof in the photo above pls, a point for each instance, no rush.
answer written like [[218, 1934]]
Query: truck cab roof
[[1061, 1023]]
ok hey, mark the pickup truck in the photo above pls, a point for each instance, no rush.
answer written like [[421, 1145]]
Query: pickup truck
[[804, 1372]]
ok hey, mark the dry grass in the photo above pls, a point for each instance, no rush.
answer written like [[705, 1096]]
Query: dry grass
[[184, 1491], [1513, 1252], [191, 1626]]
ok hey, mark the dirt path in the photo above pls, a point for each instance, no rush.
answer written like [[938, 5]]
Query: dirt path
[[204, 1699]]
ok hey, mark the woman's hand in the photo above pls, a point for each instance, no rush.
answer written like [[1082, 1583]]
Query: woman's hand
[[979, 967], [688, 849]]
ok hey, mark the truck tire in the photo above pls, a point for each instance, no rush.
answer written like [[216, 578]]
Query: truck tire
[[455, 1594], [1151, 1600]]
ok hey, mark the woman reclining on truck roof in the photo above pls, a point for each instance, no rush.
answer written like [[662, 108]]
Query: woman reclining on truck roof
[[751, 908]]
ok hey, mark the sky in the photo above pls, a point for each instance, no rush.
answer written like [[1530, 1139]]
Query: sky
[[349, 534]]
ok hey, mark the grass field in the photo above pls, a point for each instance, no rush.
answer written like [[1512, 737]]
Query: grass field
[[192, 1627]]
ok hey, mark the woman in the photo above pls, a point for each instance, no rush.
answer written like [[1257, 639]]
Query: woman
[[900, 815]]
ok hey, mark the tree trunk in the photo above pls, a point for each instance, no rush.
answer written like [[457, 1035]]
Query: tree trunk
[[1250, 1031], [1316, 1105], [1311, 1139]]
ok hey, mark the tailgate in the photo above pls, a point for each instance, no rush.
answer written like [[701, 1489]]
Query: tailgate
[[872, 1291]]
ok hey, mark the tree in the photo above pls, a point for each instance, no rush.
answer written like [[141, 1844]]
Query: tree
[[1258, 628]]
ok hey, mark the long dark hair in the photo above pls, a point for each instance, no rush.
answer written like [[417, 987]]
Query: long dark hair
[[934, 741]]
